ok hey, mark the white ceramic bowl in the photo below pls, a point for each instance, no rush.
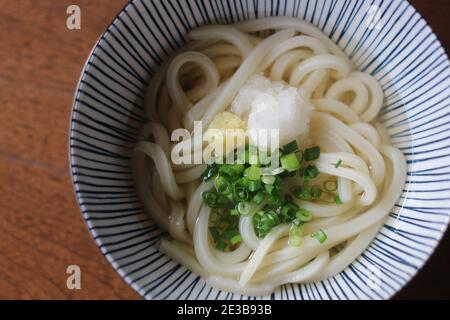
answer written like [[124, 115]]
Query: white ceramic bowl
[[403, 54]]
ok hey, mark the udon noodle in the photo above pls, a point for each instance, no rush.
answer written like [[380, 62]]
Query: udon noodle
[[201, 81]]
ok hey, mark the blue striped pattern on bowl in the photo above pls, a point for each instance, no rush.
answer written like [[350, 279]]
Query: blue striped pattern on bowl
[[404, 55]]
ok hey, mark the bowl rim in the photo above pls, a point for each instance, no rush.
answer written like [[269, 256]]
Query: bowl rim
[[72, 160]]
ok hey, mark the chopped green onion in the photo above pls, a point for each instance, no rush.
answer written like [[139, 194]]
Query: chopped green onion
[[269, 188], [231, 171], [221, 245], [257, 217], [263, 222], [290, 147], [243, 182], [254, 173], [215, 200], [254, 185], [295, 236], [337, 200], [211, 171], [275, 200], [278, 181], [259, 197], [303, 215], [210, 198], [238, 168], [285, 210], [303, 172], [315, 192], [230, 233], [313, 172], [214, 233], [287, 213], [338, 164], [241, 188], [244, 207], [268, 179], [290, 162], [309, 172], [311, 154], [273, 217], [228, 171], [222, 185], [287, 174], [223, 201], [223, 226], [301, 193], [236, 239], [234, 212], [330, 185], [240, 193], [320, 236]]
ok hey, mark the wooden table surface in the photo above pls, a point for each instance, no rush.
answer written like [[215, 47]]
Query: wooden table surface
[[41, 230]]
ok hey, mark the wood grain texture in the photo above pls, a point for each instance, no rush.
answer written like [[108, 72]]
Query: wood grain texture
[[41, 230]]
